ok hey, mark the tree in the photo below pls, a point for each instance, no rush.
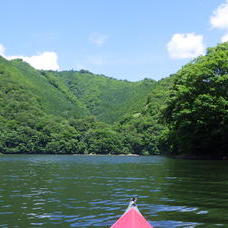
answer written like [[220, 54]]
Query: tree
[[197, 110]]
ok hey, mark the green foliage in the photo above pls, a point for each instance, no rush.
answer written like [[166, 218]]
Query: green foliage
[[52, 99], [51, 112], [197, 110], [106, 98], [143, 132]]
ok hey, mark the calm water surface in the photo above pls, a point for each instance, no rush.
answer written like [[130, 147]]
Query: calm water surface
[[93, 191]]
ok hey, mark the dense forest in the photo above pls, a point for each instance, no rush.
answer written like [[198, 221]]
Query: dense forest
[[196, 112], [78, 112], [67, 112]]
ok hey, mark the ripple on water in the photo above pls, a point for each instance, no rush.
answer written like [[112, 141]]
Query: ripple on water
[[37, 223], [49, 191], [174, 224], [6, 212]]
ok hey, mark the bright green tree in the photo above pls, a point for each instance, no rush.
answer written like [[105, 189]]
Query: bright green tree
[[197, 111]]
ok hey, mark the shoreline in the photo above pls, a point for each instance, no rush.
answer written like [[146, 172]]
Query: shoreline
[[184, 157], [119, 155]]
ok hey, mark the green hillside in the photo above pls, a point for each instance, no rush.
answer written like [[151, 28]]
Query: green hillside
[[145, 132], [64, 112], [106, 98], [51, 99], [78, 94]]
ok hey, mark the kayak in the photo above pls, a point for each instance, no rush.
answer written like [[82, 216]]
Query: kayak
[[132, 218]]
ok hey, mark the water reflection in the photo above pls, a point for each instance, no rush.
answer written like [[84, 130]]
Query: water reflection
[[81, 191]]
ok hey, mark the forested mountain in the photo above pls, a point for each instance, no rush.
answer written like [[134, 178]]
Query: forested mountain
[[77, 94], [80, 112], [65, 112], [106, 98], [53, 100]]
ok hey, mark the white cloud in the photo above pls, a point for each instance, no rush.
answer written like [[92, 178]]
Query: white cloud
[[224, 38], [98, 39], [188, 45], [219, 19], [44, 61]]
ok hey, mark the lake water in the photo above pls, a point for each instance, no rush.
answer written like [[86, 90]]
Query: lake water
[[93, 191]]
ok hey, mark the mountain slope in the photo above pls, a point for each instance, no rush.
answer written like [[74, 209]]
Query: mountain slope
[[106, 98], [52, 99], [50, 112], [78, 94]]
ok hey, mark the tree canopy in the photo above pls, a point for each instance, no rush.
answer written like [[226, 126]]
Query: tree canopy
[[69, 111], [197, 109]]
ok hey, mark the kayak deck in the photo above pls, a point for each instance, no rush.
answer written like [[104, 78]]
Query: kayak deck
[[132, 218]]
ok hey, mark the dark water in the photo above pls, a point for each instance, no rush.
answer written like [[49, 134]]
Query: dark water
[[81, 191]]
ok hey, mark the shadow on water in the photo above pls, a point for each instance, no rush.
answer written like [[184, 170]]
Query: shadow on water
[[93, 191]]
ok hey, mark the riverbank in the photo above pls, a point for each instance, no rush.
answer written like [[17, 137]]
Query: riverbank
[[118, 155], [184, 156], [110, 154]]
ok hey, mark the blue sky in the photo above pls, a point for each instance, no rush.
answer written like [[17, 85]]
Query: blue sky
[[125, 39]]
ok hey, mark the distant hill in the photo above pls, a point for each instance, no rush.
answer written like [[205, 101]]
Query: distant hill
[[106, 98], [20, 77], [70, 111], [78, 93]]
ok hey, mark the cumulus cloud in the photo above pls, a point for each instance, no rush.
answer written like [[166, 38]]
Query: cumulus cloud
[[44, 61], [224, 38], [219, 19], [98, 39], [187, 45]]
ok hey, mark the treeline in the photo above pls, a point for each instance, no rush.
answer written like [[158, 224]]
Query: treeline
[[31, 131]]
